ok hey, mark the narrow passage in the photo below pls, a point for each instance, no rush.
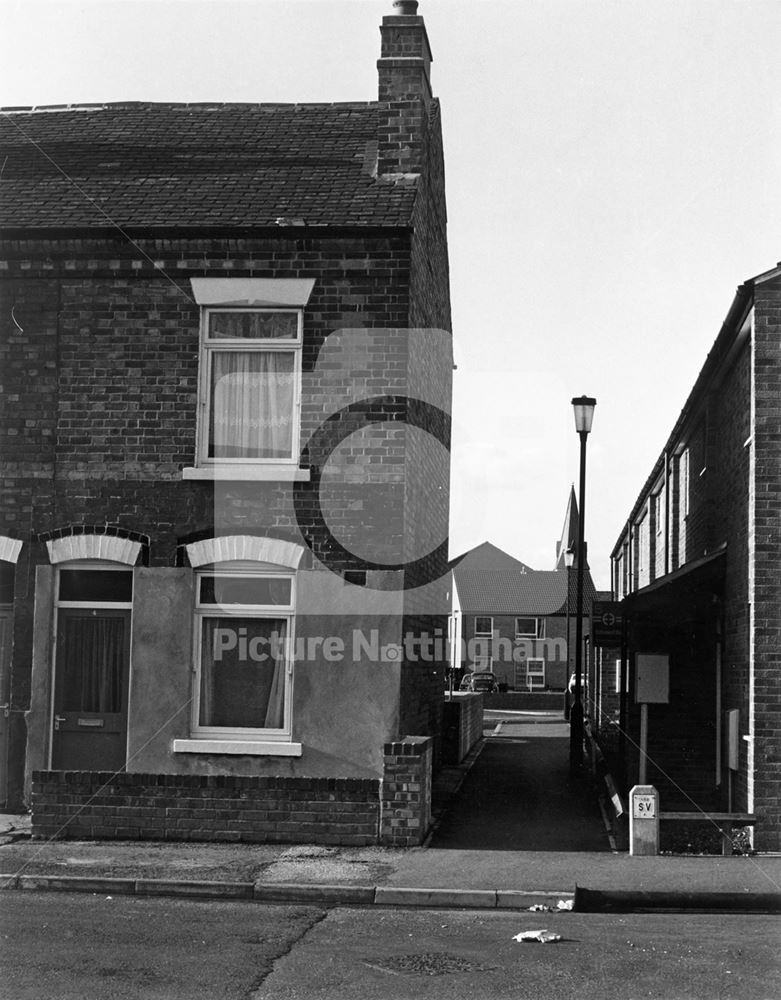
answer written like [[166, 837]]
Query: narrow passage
[[519, 795]]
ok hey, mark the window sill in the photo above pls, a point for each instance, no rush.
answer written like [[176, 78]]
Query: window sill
[[254, 748], [248, 473]]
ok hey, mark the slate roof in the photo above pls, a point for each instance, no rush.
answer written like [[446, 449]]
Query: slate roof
[[507, 592], [163, 165]]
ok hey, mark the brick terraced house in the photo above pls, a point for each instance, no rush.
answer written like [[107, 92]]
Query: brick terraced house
[[698, 568], [226, 379]]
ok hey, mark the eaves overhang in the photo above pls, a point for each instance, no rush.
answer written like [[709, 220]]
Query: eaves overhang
[[216, 231], [703, 576]]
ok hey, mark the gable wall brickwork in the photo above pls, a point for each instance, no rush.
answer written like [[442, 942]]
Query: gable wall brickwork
[[767, 577]]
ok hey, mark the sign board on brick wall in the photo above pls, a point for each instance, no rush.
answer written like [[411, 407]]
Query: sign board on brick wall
[[652, 679], [607, 621]]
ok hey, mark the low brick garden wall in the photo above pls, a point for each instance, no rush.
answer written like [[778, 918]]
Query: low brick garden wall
[[96, 805], [406, 792], [530, 701], [462, 725]]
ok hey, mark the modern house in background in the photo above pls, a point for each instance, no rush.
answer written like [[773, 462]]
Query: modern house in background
[[517, 622], [227, 371], [698, 569]]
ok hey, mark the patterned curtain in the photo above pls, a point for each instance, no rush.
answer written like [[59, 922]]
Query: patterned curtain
[[252, 404]]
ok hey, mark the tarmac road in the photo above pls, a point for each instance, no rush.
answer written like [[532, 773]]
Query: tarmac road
[[68, 946], [58, 946]]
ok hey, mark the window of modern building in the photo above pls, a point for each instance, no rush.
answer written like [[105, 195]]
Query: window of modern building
[[529, 628], [535, 673], [658, 502], [484, 625]]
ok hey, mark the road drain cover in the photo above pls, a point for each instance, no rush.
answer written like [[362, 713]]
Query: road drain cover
[[432, 963]]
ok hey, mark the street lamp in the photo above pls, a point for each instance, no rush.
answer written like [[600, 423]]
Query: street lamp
[[569, 560], [584, 415]]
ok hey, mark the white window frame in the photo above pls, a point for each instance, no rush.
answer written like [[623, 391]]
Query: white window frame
[[237, 739], [643, 544], [92, 564], [659, 511], [683, 483], [484, 635], [539, 627], [208, 347], [538, 672]]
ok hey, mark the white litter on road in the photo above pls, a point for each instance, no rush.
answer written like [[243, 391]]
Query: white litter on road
[[540, 937]]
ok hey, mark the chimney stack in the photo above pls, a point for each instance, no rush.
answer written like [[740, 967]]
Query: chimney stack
[[405, 83]]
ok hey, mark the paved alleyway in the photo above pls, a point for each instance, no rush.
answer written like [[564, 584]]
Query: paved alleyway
[[519, 795]]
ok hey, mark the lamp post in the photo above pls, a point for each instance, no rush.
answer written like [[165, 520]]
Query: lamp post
[[569, 559], [584, 415]]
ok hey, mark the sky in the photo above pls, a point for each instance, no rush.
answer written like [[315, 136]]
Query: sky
[[612, 176]]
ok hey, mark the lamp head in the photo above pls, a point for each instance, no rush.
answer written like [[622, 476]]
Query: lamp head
[[584, 413]]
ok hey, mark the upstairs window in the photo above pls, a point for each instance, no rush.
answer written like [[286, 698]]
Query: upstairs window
[[643, 550], [529, 628], [250, 386], [683, 483], [484, 625], [659, 513]]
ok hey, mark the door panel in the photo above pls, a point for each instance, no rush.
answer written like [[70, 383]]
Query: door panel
[[91, 688]]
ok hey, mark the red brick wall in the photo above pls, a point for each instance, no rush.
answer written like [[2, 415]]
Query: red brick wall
[[89, 804], [767, 569], [406, 792], [427, 486], [727, 508], [730, 465], [462, 725], [105, 369]]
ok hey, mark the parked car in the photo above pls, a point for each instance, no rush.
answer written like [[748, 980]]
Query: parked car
[[482, 681]]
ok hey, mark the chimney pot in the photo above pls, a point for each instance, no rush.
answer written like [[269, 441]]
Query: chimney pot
[[406, 8]]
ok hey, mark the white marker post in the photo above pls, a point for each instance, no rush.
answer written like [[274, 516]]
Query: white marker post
[[643, 821]]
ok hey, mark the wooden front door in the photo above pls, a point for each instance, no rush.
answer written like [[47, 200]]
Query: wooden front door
[[91, 689]]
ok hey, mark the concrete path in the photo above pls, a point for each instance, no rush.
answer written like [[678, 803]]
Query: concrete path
[[519, 795]]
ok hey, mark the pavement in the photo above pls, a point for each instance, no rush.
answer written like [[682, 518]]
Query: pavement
[[411, 877], [443, 873]]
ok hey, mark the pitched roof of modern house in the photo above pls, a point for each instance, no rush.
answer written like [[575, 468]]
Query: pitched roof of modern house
[[508, 592], [488, 557], [147, 165]]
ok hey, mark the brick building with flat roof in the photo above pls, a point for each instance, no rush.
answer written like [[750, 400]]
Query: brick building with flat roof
[[698, 568]]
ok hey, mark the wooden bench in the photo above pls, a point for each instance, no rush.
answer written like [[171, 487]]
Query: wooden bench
[[723, 820]]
